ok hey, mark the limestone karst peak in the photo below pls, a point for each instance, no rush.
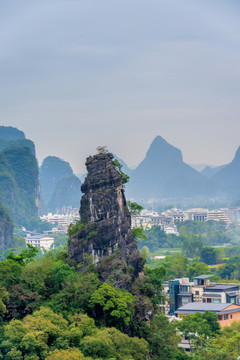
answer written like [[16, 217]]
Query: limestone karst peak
[[105, 226]]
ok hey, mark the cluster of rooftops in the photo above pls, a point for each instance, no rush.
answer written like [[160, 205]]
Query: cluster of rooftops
[[186, 297]]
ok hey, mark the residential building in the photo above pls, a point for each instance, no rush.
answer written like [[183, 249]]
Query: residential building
[[222, 294], [219, 215], [180, 292], [39, 240], [226, 312], [196, 214]]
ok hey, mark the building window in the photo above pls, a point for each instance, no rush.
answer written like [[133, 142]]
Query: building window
[[225, 316], [185, 300], [231, 316], [197, 293], [217, 301], [209, 300], [219, 317]]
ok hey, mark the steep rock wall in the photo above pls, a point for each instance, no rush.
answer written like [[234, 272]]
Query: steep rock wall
[[105, 227]]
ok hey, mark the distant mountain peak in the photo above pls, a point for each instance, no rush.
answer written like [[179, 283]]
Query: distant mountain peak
[[158, 139], [11, 133], [161, 148], [237, 155]]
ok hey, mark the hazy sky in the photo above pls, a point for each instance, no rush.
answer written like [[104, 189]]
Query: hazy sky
[[76, 74]]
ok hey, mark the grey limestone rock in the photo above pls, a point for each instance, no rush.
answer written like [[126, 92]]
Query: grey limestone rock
[[105, 228]]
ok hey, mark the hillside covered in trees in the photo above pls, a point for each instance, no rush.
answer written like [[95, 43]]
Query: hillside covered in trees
[[59, 186]]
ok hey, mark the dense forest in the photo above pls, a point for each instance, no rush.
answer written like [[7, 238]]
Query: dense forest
[[50, 311]]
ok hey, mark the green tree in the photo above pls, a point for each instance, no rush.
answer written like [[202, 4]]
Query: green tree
[[225, 345], [198, 328], [209, 255], [25, 257], [162, 338], [113, 306], [3, 299], [145, 253], [192, 245], [69, 354], [156, 275], [176, 266], [110, 343], [196, 268], [20, 302], [139, 234], [125, 177], [134, 208], [156, 238], [75, 294], [36, 335], [230, 269], [10, 273]]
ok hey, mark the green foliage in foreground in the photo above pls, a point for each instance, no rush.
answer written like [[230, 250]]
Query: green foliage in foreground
[[45, 306], [50, 311], [112, 307], [198, 328], [209, 342], [45, 334]]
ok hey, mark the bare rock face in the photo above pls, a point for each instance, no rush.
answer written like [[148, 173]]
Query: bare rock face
[[105, 228]]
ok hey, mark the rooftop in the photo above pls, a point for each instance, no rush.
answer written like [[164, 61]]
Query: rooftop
[[201, 307], [202, 277], [221, 287]]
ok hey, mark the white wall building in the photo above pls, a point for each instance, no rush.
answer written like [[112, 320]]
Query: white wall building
[[39, 241]]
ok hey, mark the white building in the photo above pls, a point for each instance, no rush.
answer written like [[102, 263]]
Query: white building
[[196, 214], [146, 219], [171, 229], [62, 221], [218, 215], [39, 240]]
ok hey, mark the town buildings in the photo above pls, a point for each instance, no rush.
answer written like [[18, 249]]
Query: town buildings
[[61, 221], [185, 297], [167, 220]]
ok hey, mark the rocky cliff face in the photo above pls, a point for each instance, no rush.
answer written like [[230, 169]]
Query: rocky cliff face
[[19, 184], [105, 228], [59, 186], [6, 230]]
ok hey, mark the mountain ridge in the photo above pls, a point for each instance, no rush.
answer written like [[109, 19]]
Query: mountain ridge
[[163, 173]]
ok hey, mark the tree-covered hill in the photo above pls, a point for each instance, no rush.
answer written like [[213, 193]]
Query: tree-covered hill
[[52, 311], [228, 178], [11, 133], [12, 137], [6, 230], [59, 186], [19, 184]]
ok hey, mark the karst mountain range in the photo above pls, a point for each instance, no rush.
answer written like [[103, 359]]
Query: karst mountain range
[[162, 176]]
